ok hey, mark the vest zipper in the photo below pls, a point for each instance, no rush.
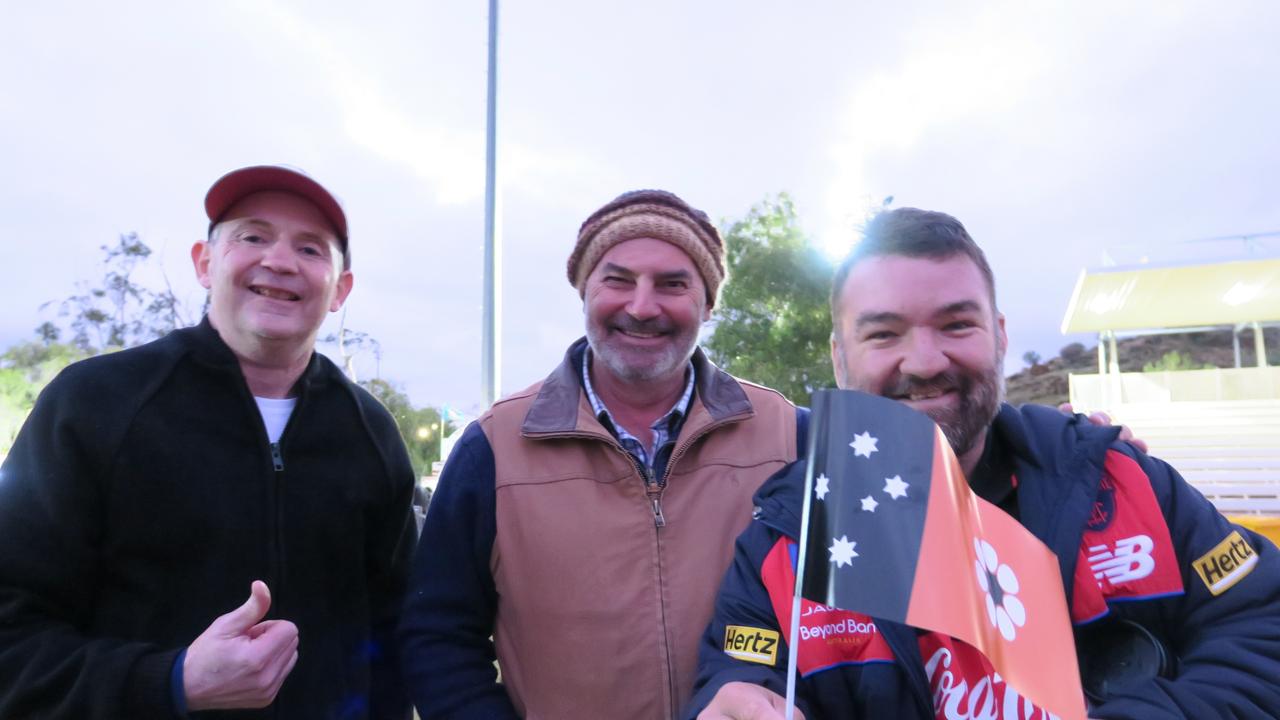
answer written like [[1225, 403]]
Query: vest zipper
[[654, 491]]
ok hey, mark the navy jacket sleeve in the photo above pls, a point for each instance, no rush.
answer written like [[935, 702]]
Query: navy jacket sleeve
[[445, 644], [743, 600], [1227, 645], [49, 522], [392, 534]]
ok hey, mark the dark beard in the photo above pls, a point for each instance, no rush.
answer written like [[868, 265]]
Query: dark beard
[[980, 398]]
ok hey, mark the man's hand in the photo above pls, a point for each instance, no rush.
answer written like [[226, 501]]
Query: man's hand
[[240, 661], [746, 701], [1103, 419]]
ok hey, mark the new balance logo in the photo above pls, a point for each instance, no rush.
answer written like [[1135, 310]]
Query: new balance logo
[[1130, 560]]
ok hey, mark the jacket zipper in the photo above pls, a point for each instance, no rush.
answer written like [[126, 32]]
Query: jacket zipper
[[277, 460], [277, 490]]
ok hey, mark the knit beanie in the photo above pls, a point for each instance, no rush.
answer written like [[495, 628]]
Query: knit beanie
[[655, 214]]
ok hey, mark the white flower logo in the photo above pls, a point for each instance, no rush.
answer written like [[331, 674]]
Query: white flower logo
[[1000, 584]]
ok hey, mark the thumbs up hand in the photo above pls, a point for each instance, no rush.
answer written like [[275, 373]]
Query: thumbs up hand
[[240, 661]]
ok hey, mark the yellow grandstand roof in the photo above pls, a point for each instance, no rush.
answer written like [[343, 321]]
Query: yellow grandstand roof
[[1147, 298]]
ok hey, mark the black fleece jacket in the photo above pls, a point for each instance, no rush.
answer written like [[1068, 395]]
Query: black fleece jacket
[[141, 499]]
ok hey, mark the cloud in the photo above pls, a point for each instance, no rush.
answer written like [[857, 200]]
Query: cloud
[[449, 159], [948, 72]]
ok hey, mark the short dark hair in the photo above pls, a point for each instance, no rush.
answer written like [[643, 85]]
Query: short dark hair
[[913, 233]]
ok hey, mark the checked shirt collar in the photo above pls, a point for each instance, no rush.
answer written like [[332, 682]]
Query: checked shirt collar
[[664, 428]]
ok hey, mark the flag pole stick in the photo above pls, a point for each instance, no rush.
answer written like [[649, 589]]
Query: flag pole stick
[[818, 405]]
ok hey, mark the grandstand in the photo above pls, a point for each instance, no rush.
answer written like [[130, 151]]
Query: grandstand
[[1219, 427]]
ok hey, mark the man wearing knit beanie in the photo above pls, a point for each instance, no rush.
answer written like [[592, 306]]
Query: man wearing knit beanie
[[584, 523]]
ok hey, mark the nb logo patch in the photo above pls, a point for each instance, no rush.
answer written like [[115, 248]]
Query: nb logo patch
[[1131, 560], [1226, 564], [750, 644]]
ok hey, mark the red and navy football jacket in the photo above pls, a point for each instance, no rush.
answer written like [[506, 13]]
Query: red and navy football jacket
[[1142, 554]]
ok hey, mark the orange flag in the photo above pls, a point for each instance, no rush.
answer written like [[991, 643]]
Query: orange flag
[[895, 532]]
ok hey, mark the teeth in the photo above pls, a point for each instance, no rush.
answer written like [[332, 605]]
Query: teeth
[[275, 294]]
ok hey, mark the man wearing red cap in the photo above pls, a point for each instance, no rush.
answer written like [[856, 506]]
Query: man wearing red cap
[[584, 523], [152, 489]]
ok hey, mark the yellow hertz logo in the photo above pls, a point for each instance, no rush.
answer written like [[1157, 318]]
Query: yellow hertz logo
[[755, 645], [1226, 564]]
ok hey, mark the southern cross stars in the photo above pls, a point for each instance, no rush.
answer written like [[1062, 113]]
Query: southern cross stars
[[842, 552], [821, 486], [863, 444], [895, 487]]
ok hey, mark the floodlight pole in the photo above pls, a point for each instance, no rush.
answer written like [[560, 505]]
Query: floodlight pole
[[490, 348]]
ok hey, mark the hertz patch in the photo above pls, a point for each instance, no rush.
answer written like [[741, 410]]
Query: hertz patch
[[750, 644], [1226, 564]]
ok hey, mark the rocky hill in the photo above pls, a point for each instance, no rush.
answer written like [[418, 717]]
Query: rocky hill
[[1046, 381]]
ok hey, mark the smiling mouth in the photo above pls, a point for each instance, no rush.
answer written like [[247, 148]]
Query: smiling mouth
[[640, 335], [275, 294], [919, 394]]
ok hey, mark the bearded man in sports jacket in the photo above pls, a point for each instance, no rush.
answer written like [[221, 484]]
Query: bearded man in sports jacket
[[1177, 611]]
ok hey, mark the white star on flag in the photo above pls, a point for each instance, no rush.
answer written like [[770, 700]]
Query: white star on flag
[[895, 487], [822, 486], [842, 552], [869, 504], [863, 444]]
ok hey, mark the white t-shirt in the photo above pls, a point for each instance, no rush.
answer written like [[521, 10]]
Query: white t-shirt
[[275, 414]]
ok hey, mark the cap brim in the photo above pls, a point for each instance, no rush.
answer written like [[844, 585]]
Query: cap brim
[[239, 184]]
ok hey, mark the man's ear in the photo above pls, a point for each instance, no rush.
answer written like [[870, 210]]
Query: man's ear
[[837, 363], [1002, 338], [200, 257], [345, 282]]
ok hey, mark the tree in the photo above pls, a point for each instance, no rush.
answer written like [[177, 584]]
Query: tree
[[773, 323], [351, 343], [24, 371], [1031, 357], [120, 312], [1175, 361], [420, 428]]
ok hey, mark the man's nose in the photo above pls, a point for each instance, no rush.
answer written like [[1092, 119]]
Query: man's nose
[[279, 256], [923, 356], [644, 302]]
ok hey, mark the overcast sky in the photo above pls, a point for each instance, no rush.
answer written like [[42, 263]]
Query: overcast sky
[[1056, 131]]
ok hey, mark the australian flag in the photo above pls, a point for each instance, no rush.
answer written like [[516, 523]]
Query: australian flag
[[895, 532]]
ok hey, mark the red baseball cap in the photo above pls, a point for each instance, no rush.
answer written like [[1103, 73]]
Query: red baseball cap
[[238, 184]]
